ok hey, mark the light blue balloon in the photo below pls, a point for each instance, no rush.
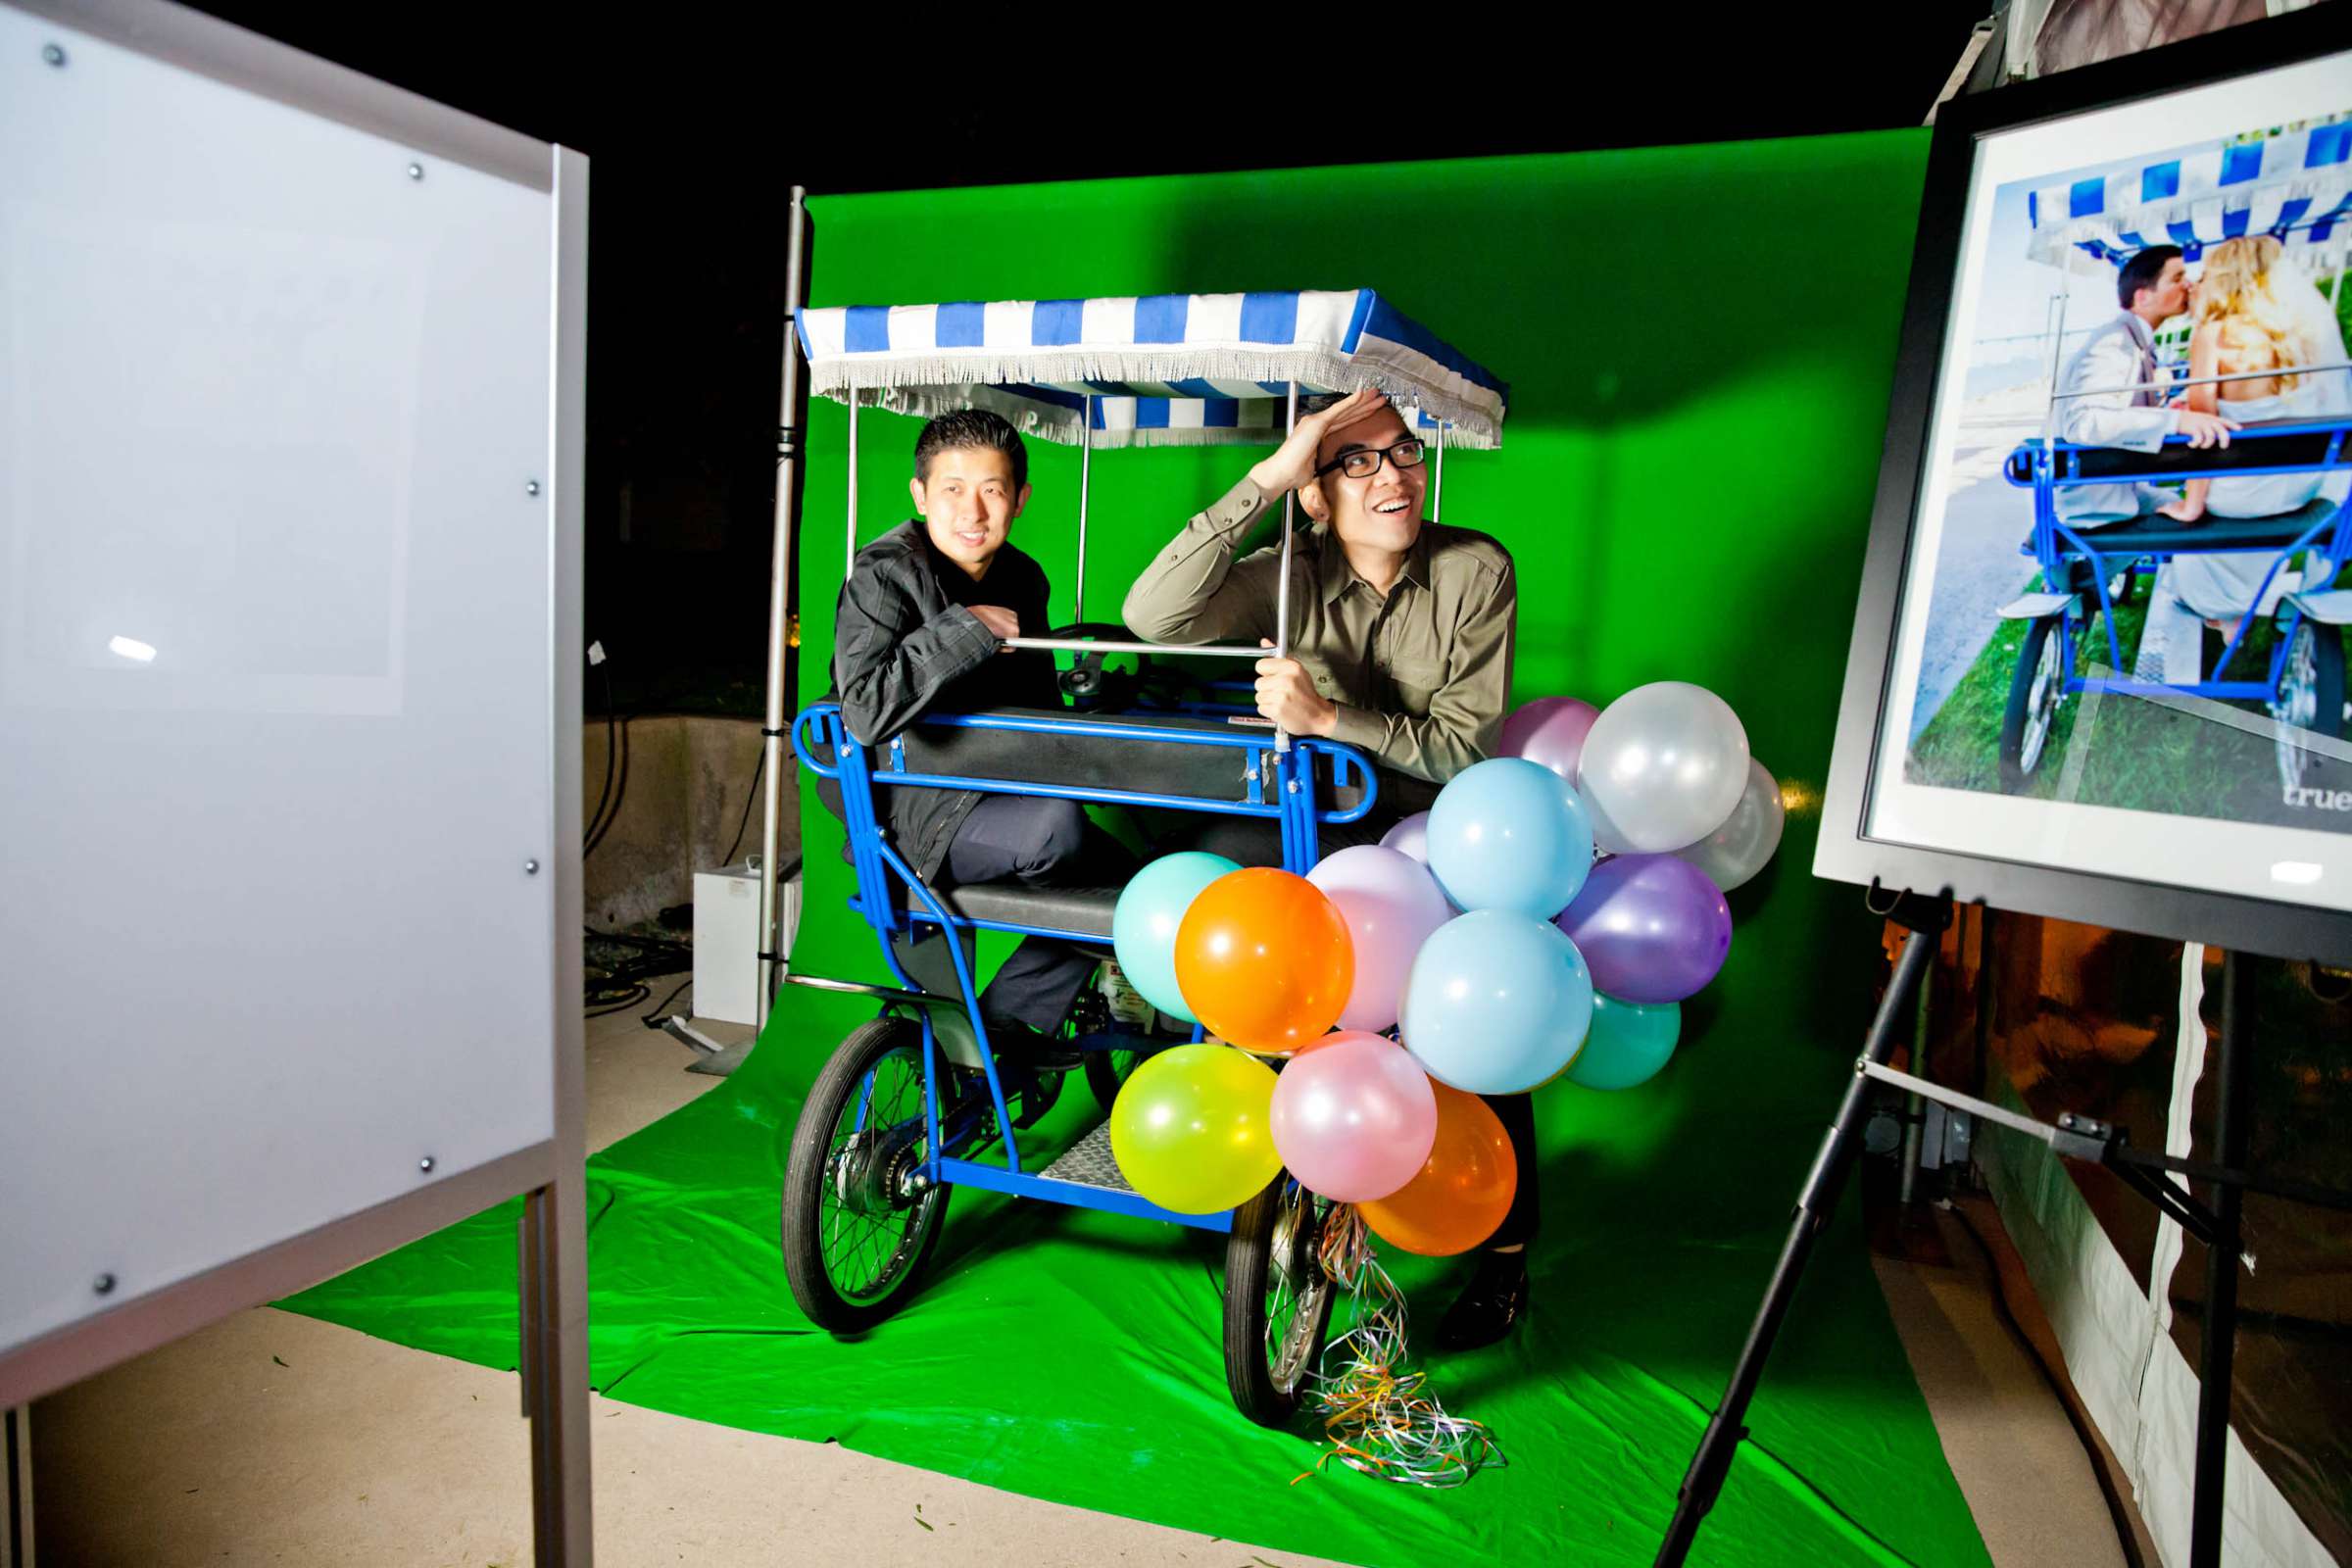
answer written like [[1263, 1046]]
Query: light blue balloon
[[1143, 928], [1510, 834], [1497, 1002], [1629, 1042]]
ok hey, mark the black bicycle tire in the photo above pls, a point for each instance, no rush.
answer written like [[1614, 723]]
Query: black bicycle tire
[[813, 1288]]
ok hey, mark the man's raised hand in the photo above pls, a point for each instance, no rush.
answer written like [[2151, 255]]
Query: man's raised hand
[[1292, 463]]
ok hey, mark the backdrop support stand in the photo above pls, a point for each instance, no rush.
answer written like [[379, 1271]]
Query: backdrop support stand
[[775, 757]]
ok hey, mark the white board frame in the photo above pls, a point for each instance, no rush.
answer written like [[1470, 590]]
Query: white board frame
[[549, 1174]]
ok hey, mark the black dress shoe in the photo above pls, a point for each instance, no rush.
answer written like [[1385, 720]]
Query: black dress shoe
[[1490, 1306], [1032, 1048]]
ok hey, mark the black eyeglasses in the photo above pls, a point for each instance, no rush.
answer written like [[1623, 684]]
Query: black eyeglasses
[[1365, 462]]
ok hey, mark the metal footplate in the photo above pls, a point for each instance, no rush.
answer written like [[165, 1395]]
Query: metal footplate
[[1090, 1163], [1086, 1177]]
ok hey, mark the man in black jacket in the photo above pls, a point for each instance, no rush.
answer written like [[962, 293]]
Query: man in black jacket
[[917, 627]]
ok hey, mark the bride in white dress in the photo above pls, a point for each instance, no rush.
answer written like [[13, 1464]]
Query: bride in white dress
[[2255, 310]]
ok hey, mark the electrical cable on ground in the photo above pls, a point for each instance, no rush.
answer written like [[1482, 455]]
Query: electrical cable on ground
[[617, 966], [660, 1010]]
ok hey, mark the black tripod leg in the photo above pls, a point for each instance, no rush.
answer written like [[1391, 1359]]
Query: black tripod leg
[[1704, 1479], [2234, 1052]]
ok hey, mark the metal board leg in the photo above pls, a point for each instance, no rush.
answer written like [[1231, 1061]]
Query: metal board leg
[[555, 1368], [2217, 1351], [15, 1487]]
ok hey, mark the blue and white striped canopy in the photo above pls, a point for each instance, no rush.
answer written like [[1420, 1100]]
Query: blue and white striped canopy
[[2296, 186], [1160, 369]]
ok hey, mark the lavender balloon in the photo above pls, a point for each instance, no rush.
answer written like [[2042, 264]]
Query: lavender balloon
[[1410, 836], [1551, 731], [1390, 904], [1652, 928]]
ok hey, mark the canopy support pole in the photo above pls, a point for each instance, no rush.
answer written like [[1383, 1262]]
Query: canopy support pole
[[1436, 499], [849, 554], [774, 759], [1086, 462], [1281, 591]]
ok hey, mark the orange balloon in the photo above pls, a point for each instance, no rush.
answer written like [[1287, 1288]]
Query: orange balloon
[[1264, 960], [1464, 1188]]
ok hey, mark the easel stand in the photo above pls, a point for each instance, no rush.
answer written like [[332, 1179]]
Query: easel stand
[[2075, 1137]]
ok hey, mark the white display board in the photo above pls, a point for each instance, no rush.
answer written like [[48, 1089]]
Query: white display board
[[281, 585]]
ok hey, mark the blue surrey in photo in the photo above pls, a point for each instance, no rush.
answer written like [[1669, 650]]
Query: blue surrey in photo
[[2262, 378], [2303, 685]]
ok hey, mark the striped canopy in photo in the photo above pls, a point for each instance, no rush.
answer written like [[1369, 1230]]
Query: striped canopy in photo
[[1156, 369], [2296, 186]]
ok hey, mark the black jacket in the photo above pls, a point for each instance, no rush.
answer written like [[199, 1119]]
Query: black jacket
[[905, 644]]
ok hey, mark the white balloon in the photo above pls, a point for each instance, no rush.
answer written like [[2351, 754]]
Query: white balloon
[[1662, 767], [1736, 852]]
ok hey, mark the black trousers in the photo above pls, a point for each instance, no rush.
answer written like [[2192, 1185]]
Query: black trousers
[[1249, 841], [1044, 842]]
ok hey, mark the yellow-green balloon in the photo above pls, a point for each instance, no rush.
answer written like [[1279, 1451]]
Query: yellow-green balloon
[[1189, 1129]]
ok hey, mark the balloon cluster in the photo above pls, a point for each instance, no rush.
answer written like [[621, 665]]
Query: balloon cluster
[[1546, 917]]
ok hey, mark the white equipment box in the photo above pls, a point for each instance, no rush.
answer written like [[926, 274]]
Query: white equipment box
[[727, 939]]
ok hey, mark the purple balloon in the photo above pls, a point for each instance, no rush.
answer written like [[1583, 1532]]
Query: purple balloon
[[1353, 1117], [1549, 730], [1410, 836], [1390, 904], [1651, 927]]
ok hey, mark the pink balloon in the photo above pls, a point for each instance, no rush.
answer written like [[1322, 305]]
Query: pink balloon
[[1549, 730], [1390, 904], [1353, 1117], [1410, 836]]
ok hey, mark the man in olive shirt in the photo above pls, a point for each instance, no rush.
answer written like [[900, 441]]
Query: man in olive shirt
[[1401, 630], [1401, 646]]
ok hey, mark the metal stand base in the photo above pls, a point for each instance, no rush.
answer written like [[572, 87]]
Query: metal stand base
[[1703, 1481], [2075, 1137]]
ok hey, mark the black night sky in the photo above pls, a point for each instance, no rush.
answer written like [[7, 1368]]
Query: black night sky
[[698, 120]]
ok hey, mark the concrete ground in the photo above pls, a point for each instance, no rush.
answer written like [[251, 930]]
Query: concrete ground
[[274, 1438]]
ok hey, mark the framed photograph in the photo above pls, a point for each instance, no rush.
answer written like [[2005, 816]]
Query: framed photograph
[[2098, 665]]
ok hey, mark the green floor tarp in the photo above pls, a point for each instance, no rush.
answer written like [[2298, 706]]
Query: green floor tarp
[[1075, 1356]]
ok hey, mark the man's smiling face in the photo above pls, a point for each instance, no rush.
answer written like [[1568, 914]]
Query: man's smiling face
[[1381, 511], [968, 500]]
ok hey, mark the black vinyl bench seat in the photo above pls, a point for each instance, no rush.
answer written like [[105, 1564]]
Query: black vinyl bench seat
[[2152, 533], [2258, 444], [1086, 910]]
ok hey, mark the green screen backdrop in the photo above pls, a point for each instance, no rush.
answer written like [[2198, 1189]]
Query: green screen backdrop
[[1700, 342]]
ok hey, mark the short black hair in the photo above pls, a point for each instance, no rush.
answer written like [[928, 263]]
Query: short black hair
[[2142, 272], [971, 427]]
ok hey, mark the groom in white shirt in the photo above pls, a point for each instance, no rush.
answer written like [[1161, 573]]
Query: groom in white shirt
[[2152, 287]]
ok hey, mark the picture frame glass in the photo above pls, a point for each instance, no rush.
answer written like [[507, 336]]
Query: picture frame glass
[[2052, 696]]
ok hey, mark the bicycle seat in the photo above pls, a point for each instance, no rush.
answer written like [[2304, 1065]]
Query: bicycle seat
[[1086, 910]]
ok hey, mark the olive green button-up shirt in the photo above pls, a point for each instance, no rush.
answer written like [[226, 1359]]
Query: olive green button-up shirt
[[1420, 675]]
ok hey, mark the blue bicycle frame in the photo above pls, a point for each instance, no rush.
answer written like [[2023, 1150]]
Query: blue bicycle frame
[[1280, 788], [2047, 467]]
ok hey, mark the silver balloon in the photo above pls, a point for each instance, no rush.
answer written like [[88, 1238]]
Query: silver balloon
[[1736, 852], [1662, 767]]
